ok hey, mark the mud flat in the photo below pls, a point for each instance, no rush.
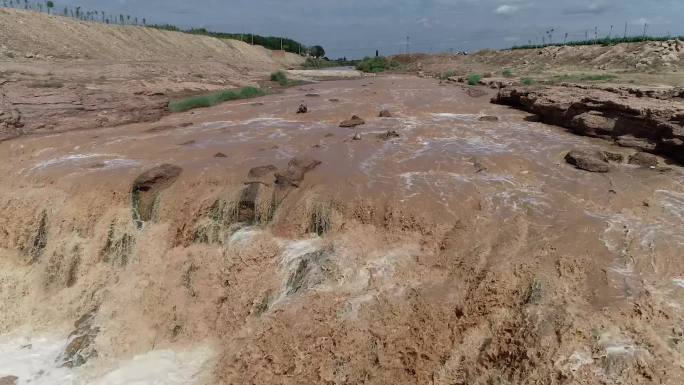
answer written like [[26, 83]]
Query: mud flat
[[443, 246]]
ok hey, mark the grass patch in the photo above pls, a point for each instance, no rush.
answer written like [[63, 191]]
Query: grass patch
[[474, 80], [447, 75], [376, 65], [507, 73], [528, 81], [583, 78], [214, 99], [280, 77]]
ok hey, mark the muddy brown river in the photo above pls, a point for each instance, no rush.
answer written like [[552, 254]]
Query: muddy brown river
[[459, 250]]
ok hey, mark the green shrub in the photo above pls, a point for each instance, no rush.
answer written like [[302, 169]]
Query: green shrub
[[279, 77], [214, 99], [447, 75], [376, 64], [583, 77], [474, 80], [528, 81], [507, 73]]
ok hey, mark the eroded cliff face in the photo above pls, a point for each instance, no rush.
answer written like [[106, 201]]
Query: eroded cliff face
[[458, 250], [648, 124]]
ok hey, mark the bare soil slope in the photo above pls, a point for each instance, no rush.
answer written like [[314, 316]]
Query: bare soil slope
[[30, 35]]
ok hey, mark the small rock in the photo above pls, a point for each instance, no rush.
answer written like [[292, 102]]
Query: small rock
[[334, 100], [9, 380], [220, 155], [329, 135], [588, 161], [356, 136], [614, 156], [474, 92], [353, 122], [390, 134], [644, 159], [488, 118], [303, 109], [385, 114], [312, 95]]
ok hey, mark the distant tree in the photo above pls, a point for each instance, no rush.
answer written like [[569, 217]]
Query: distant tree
[[103, 16], [78, 12], [317, 51], [26, 5], [49, 5], [40, 7], [144, 21]]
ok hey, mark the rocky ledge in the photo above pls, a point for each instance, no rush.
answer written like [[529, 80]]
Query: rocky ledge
[[647, 124]]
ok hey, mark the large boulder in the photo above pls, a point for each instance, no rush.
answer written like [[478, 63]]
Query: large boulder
[[592, 161]]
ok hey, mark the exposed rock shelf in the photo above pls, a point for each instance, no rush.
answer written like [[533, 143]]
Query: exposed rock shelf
[[650, 125]]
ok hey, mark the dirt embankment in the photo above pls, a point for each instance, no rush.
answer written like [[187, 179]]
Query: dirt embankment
[[648, 124], [646, 63], [61, 74]]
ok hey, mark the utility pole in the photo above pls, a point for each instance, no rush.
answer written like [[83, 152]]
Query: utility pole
[[408, 42], [625, 30]]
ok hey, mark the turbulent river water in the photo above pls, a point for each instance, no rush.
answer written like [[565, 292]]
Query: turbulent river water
[[458, 250]]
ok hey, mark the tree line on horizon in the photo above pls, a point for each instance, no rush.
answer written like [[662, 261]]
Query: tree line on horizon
[[270, 42], [547, 39]]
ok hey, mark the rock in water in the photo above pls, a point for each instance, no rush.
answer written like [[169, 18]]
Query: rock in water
[[303, 109], [385, 114], [148, 186], [588, 161], [390, 134], [296, 169], [353, 122], [644, 159], [9, 380], [488, 118], [80, 346]]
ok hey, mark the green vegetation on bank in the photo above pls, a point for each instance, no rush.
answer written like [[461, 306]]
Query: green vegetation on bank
[[603, 42], [446, 75], [528, 81], [474, 80], [279, 77], [270, 42], [376, 64], [583, 78], [214, 99]]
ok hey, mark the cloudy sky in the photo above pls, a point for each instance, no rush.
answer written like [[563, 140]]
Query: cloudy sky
[[355, 28]]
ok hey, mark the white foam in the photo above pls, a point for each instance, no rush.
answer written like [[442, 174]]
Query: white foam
[[34, 362]]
